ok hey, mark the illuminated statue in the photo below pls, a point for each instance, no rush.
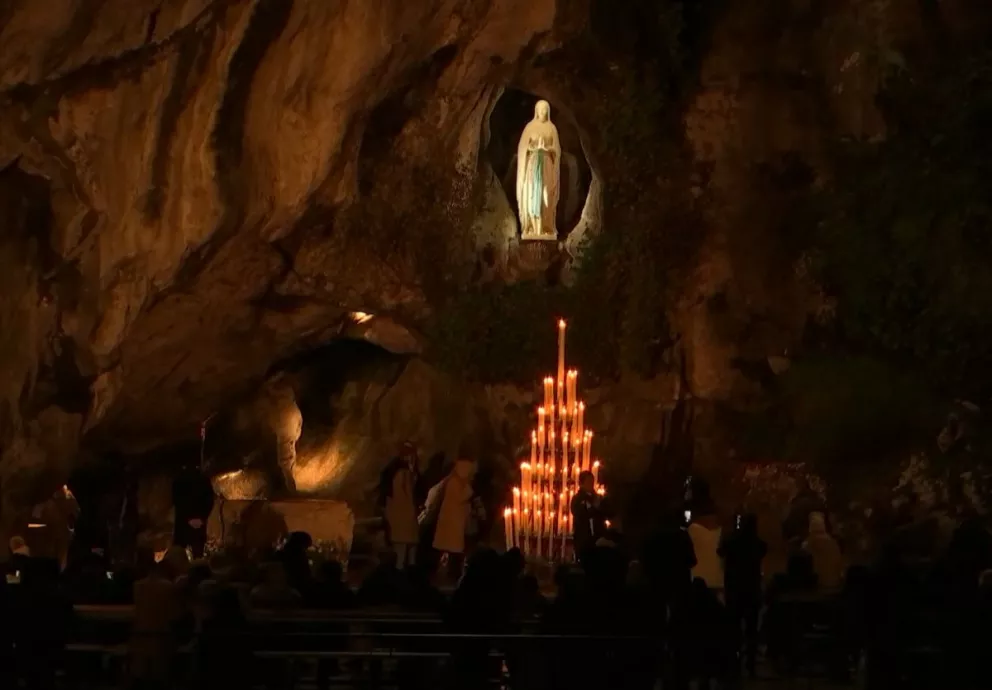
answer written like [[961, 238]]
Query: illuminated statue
[[538, 174]]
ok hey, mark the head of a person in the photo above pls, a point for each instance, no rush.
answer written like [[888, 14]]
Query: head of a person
[[274, 575], [19, 547], [298, 542], [587, 482], [514, 562], [176, 560], [749, 524], [817, 523], [331, 572], [465, 469]]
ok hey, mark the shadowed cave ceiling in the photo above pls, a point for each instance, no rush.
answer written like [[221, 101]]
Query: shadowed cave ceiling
[[194, 190]]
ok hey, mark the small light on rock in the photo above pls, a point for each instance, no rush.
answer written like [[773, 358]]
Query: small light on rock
[[360, 316]]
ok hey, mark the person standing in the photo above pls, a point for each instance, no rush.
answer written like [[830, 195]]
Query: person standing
[[743, 552], [587, 518], [706, 534], [193, 498], [453, 515], [400, 512], [828, 562]]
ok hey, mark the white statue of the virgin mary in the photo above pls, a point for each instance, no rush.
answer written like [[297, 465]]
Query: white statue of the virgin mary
[[538, 173]]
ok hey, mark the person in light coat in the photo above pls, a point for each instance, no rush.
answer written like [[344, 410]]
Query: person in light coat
[[453, 516], [828, 562], [401, 508]]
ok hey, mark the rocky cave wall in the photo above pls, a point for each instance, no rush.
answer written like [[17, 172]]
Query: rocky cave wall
[[226, 182]]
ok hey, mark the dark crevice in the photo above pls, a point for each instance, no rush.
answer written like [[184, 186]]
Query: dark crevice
[[266, 24], [106, 73], [60, 383], [80, 26], [387, 120], [152, 23], [192, 61]]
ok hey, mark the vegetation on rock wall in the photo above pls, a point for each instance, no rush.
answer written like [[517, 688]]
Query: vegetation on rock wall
[[900, 239], [906, 238]]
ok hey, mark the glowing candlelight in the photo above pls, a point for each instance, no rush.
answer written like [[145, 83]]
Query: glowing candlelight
[[580, 420], [508, 528], [549, 391], [517, 531], [516, 500], [595, 473], [538, 524], [587, 451], [570, 389], [561, 356]]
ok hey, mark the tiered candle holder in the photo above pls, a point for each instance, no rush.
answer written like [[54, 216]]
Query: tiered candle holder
[[539, 519]]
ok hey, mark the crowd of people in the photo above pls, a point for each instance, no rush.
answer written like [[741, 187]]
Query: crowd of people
[[690, 606]]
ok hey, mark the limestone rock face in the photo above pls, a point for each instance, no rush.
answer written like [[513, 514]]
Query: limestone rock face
[[443, 416], [186, 164]]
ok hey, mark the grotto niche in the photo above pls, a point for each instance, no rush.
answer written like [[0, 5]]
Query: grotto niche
[[513, 113]]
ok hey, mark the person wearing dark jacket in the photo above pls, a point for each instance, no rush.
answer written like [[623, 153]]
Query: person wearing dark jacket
[[588, 521], [193, 498], [742, 552]]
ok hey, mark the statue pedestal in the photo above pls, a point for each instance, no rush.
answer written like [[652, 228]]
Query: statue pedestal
[[539, 238]]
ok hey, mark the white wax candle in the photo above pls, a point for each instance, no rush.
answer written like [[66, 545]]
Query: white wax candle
[[561, 356], [595, 473], [580, 420], [549, 391]]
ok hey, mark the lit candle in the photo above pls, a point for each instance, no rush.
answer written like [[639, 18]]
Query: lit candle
[[525, 476], [595, 473], [518, 540], [563, 512], [561, 357], [551, 418], [540, 428], [549, 514], [549, 391], [570, 389], [508, 527], [551, 446], [516, 500], [538, 524], [526, 526], [586, 451], [580, 420]]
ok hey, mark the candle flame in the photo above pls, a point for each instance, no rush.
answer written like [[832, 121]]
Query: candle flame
[[596, 464], [507, 513], [561, 323], [516, 491], [582, 406], [540, 410]]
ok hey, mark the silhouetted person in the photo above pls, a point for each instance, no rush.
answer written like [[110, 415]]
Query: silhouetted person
[[223, 656], [193, 498], [43, 616], [588, 522], [295, 558], [742, 552], [475, 611], [786, 594], [157, 611], [330, 591], [384, 585], [274, 591]]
